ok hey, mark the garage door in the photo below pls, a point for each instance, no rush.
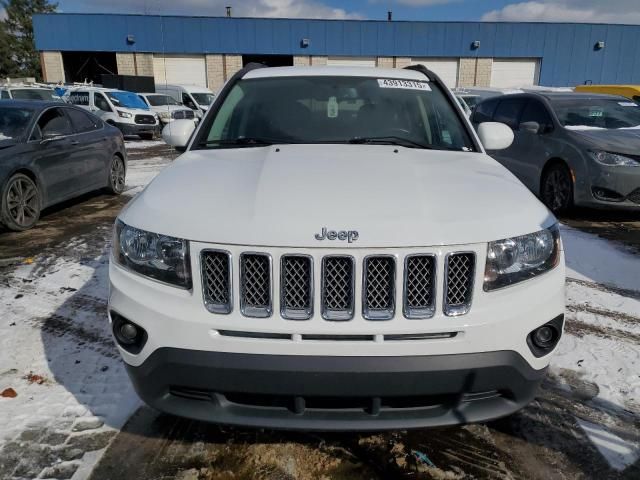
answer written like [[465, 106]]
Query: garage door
[[516, 72], [180, 69], [445, 68], [351, 62]]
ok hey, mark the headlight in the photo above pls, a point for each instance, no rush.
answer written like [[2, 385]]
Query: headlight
[[164, 115], [154, 255], [513, 260], [614, 160], [124, 114]]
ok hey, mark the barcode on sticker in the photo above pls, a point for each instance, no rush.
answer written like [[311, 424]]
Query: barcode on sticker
[[409, 84]]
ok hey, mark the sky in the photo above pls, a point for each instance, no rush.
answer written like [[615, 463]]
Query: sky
[[599, 11]]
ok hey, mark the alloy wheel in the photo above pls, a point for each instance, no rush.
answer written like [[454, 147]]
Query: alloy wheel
[[557, 190], [23, 203], [117, 175]]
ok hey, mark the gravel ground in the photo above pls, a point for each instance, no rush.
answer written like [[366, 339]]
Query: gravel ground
[[75, 415]]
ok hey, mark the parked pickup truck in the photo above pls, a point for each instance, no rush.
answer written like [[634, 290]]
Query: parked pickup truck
[[336, 251]]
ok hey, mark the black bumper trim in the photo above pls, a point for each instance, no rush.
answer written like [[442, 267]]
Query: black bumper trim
[[453, 389]]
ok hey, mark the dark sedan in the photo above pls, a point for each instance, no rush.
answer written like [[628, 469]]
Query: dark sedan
[[51, 152]]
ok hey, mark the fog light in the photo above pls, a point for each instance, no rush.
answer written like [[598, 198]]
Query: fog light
[[544, 339], [128, 332], [129, 336], [543, 336]]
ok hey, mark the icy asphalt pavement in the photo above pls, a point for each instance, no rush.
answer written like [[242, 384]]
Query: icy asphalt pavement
[[72, 396]]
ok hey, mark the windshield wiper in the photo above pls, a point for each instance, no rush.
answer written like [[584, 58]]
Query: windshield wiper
[[390, 140]]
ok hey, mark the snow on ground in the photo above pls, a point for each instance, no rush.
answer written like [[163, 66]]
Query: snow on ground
[[602, 341], [135, 143], [72, 393]]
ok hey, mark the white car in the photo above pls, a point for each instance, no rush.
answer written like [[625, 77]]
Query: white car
[[194, 97], [309, 266], [27, 92], [122, 109], [166, 107]]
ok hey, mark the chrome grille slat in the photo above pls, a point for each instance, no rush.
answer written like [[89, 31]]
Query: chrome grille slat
[[216, 280], [255, 284], [296, 287], [378, 291], [458, 289], [419, 286], [338, 286]]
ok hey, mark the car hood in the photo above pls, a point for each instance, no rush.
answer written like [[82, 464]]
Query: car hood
[[612, 140], [283, 196], [168, 108]]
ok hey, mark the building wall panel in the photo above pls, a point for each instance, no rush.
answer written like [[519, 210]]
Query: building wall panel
[[566, 51]]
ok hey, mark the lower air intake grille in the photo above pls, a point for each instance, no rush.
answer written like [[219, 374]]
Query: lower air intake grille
[[378, 297], [216, 275], [419, 286], [634, 196], [255, 284], [296, 287], [337, 287], [459, 272]]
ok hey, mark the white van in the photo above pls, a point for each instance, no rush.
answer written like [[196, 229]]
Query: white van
[[166, 107], [192, 96], [125, 110]]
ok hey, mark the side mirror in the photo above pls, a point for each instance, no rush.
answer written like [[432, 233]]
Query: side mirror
[[495, 135], [530, 127], [178, 133]]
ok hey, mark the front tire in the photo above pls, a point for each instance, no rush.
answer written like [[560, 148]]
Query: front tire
[[556, 189], [117, 173], [21, 203]]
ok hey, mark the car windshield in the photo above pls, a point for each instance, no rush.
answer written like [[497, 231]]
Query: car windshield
[[32, 94], [340, 109], [205, 99], [161, 100], [126, 100], [591, 113], [13, 123]]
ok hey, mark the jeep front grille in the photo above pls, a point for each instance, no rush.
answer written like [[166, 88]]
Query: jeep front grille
[[255, 284], [378, 291], [338, 285], [375, 279], [216, 281], [296, 287], [458, 288], [419, 286]]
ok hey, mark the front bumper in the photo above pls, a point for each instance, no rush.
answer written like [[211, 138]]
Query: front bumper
[[624, 181], [336, 393], [135, 129]]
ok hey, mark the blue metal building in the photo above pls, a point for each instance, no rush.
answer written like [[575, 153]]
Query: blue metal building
[[565, 54]]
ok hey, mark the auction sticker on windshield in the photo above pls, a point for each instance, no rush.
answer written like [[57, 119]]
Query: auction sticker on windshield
[[409, 84]]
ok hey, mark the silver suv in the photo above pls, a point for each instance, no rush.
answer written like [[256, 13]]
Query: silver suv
[[571, 148]]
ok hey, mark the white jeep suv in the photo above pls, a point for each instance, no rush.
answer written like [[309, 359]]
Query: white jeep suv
[[335, 251]]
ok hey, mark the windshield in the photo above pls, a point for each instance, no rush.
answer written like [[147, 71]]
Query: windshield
[[13, 122], [126, 100], [205, 99], [590, 113], [161, 100], [32, 94], [337, 110]]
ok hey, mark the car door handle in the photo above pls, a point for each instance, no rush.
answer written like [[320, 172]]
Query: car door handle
[[75, 142]]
